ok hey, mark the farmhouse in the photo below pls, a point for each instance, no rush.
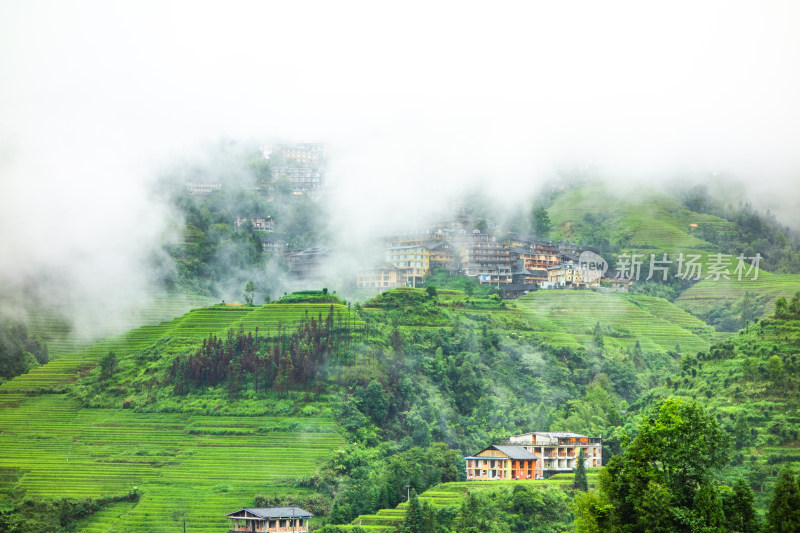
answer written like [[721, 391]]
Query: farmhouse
[[270, 519], [534, 456]]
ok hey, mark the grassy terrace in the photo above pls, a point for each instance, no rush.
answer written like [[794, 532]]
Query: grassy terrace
[[452, 494], [569, 316], [188, 467], [176, 460], [706, 294], [194, 325]]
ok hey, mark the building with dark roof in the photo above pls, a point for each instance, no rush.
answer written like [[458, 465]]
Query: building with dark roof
[[269, 519]]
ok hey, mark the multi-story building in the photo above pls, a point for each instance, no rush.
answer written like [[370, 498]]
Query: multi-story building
[[386, 277], [529, 277], [442, 255], [502, 462], [258, 222], [273, 245], [564, 275], [482, 257], [412, 262], [534, 456], [306, 153], [559, 451], [538, 256], [203, 188], [306, 263], [304, 180]]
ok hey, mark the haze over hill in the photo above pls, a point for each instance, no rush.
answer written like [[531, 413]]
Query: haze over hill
[[420, 105]]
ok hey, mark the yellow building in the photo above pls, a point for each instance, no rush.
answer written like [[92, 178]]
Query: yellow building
[[382, 278], [413, 262], [564, 275]]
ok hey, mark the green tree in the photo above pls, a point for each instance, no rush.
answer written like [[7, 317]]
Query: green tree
[[415, 517], [740, 512], [784, 508], [709, 507], [598, 335], [431, 290], [655, 485], [775, 369], [581, 482], [541, 222], [741, 430], [249, 292], [107, 365]]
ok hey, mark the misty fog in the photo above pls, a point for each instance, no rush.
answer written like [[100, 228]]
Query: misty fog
[[421, 104]]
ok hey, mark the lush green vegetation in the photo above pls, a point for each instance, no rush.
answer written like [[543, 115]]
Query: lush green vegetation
[[119, 428], [348, 410], [19, 351]]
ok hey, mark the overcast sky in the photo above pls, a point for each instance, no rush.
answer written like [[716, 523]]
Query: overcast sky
[[413, 96]]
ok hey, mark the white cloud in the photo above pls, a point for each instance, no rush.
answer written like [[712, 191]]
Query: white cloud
[[415, 98]]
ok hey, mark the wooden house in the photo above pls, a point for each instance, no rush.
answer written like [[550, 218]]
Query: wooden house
[[270, 520], [502, 462]]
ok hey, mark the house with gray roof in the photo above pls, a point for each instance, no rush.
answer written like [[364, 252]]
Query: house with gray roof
[[269, 519]]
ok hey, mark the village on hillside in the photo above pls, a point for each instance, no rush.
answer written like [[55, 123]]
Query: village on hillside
[[460, 244]]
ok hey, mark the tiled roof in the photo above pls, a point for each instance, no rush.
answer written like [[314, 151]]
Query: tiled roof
[[275, 512]]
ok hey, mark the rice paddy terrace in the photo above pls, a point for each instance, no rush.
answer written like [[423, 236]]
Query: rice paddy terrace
[[453, 494], [568, 317], [188, 467], [706, 294]]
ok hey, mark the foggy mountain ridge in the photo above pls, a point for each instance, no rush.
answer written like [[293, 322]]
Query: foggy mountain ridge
[[479, 101]]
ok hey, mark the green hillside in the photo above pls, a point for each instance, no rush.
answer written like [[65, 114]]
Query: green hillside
[[190, 461], [642, 219], [705, 295], [750, 382], [568, 317]]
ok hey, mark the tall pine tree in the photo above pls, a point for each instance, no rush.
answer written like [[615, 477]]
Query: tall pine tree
[[784, 509], [415, 517], [740, 511], [581, 482]]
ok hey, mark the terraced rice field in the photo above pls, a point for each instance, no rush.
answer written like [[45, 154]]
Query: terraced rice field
[[188, 467], [194, 325], [568, 317], [61, 339], [181, 471], [452, 494], [706, 294], [644, 219]]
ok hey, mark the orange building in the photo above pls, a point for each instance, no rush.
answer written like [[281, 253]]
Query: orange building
[[502, 462], [534, 456]]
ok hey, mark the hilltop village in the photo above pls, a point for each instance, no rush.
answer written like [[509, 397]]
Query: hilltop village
[[461, 244]]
